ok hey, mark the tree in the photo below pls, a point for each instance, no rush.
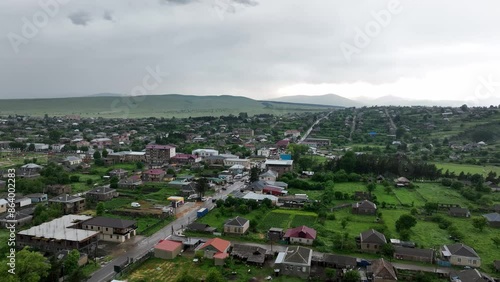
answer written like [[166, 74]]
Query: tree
[[371, 187], [330, 273], [479, 223], [214, 275], [104, 153], [202, 186], [388, 250], [405, 222], [100, 208], [139, 165], [388, 189], [31, 147], [496, 241], [254, 174], [30, 267], [97, 155], [344, 222], [351, 276], [71, 262], [430, 207]]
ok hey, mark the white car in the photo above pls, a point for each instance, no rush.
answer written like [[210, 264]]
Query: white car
[[135, 205]]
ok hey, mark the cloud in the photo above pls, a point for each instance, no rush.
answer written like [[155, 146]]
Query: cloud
[[179, 2], [107, 16], [246, 2], [80, 18]]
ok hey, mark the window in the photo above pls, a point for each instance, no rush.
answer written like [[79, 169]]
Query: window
[[367, 246], [375, 246], [106, 229], [111, 236], [473, 261], [459, 259]]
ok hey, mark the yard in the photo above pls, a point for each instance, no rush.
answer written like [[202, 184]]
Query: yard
[[160, 270]]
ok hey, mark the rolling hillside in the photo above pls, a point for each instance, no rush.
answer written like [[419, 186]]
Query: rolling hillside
[[328, 99], [147, 106]]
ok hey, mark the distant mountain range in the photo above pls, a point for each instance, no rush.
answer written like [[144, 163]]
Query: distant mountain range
[[337, 100]]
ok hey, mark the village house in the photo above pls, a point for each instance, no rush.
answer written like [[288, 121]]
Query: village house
[[71, 161], [493, 219], [402, 182], [469, 275], [154, 175], [317, 142], [414, 254], [103, 193], [111, 229], [295, 261], [200, 227], [279, 166], [118, 173], [131, 182], [18, 219], [101, 143], [245, 163], [458, 212], [237, 225], [58, 189], [203, 153], [282, 144], [382, 271], [461, 255], [217, 249], [249, 254], [268, 176], [22, 202], [372, 241], [37, 197], [185, 159], [301, 235], [31, 169], [364, 207], [70, 204]]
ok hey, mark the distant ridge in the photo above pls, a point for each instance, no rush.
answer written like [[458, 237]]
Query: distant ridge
[[169, 105], [327, 99]]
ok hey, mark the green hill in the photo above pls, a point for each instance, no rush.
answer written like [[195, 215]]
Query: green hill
[[147, 106]]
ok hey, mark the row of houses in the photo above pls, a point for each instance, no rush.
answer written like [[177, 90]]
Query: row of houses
[[79, 232]]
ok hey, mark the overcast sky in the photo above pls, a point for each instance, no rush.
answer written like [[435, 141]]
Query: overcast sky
[[443, 49]]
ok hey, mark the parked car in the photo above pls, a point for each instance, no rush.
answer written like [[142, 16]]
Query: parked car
[[135, 205]]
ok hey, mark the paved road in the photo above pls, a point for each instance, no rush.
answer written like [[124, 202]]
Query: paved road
[[106, 272], [311, 128]]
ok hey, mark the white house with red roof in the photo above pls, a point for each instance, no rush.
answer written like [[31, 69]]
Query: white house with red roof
[[217, 249], [301, 235]]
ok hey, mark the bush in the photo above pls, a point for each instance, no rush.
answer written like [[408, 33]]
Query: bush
[[330, 216]]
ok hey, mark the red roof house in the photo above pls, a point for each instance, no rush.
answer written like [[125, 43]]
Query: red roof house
[[215, 248], [302, 235]]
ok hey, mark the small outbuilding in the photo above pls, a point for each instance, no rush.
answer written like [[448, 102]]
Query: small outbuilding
[[167, 249]]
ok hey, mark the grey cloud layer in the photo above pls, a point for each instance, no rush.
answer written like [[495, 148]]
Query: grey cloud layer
[[253, 52]]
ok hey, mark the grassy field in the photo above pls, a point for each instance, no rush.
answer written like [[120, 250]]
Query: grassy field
[[437, 193], [8, 159], [466, 168], [159, 270], [180, 106]]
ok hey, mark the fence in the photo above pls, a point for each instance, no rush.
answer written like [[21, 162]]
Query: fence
[[135, 264]]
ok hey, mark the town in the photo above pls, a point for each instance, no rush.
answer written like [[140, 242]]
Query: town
[[344, 194]]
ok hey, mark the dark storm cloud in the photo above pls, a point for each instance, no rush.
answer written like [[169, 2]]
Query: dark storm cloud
[[80, 18]]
